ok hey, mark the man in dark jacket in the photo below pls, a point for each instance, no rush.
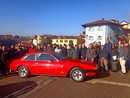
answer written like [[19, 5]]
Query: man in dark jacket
[[74, 54], [69, 51], [114, 58], [103, 56], [108, 47], [83, 52], [11, 53], [3, 59], [64, 50], [79, 51]]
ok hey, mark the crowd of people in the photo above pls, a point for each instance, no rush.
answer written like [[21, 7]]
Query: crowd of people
[[108, 57]]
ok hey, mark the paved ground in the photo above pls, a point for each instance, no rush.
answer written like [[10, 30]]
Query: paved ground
[[104, 85]]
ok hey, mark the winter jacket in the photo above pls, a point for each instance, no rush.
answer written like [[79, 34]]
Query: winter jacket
[[69, 53], [103, 54], [64, 51], [90, 53], [83, 53], [32, 50], [74, 54], [124, 52], [108, 47]]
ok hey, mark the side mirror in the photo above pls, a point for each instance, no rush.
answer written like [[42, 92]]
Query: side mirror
[[51, 60]]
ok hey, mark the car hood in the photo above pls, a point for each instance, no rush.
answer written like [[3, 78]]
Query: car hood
[[79, 61]]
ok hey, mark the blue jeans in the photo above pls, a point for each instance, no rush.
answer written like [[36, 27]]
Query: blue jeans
[[89, 59]]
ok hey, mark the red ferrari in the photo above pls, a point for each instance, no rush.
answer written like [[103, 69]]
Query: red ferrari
[[53, 64]]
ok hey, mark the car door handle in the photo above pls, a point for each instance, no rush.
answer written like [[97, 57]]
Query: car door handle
[[36, 62]]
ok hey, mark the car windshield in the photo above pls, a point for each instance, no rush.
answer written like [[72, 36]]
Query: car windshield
[[60, 57]]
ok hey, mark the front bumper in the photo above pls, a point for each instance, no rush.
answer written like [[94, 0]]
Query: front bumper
[[90, 73]]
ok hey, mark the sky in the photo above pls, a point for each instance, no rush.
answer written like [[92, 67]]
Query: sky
[[57, 17]]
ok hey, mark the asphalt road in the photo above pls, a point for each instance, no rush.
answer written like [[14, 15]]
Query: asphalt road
[[103, 85]]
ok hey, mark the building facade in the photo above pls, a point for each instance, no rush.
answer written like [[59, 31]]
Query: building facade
[[102, 30], [69, 40], [61, 41], [126, 30]]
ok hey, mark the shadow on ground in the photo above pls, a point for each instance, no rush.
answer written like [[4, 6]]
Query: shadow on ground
[[99, 75], [16, 89]]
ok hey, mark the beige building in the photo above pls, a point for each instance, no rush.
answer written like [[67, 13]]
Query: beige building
[[75, 40], [125, 24], [126, 27], [63, 41]]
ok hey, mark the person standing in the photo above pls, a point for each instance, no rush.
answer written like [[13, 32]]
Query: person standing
[[83, 52], [123, 54], [39, 49], [128, 59], [96, 49], [11, 53], [3, 60], [103, 57], [18, 52], [90, 55], [32, 49], [50, 48], [79, 51], [0, 59], [57, 49], [69, 51], [74, 53], [108, 47], [114, 58], [64, 50]]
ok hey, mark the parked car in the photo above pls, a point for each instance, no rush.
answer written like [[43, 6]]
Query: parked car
[[54, 64]]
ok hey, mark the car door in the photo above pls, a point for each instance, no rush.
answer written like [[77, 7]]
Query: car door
[[55, 67], [42, 63], [48, 64]]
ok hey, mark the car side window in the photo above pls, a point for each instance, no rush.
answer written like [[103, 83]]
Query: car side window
[[30, 57], [45, 57]]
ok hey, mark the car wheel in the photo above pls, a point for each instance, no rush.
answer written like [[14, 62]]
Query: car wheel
[[77, 74], [23, 71]]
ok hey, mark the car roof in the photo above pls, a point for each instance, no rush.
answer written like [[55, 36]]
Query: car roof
[[41, 52]]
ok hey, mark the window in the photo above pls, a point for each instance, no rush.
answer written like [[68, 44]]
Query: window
[[61, 41], [99, 38], [60, 57], [71, 42], [30, 57], [56, 40], [66, 41], [99, 28], [91, 38], [86, 36], [45, 57], [91, 28]]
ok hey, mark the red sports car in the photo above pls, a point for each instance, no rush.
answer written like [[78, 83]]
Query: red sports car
[[51, 63]]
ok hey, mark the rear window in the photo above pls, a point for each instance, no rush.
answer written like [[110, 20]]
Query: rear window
[[30, 57], [45, 57]]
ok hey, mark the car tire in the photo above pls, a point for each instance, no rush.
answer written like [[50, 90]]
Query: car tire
[[77, 74], [23, 72]]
